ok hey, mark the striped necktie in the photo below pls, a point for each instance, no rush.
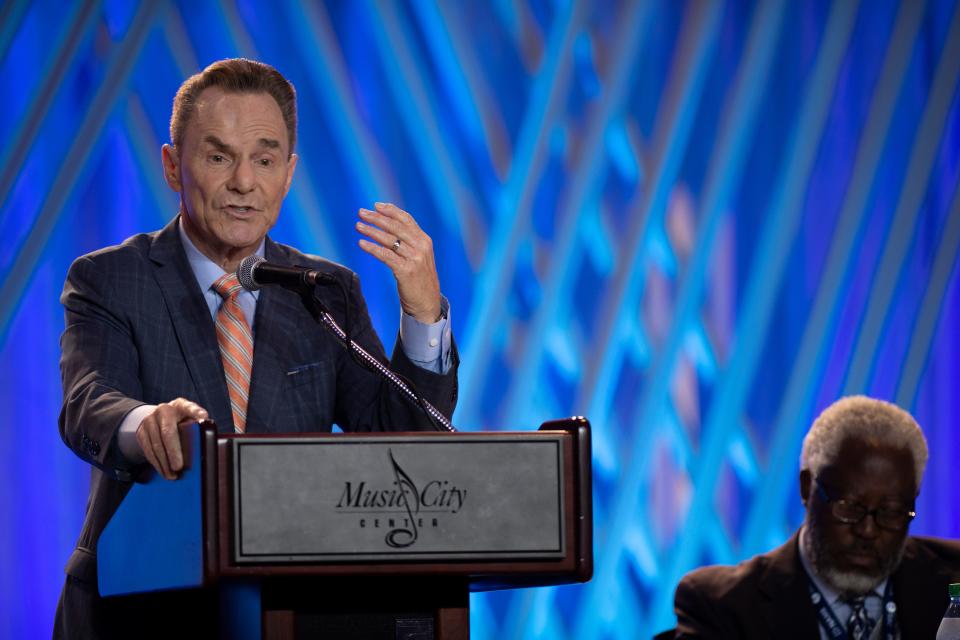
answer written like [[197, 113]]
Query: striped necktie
[[859, 623], [236, 347]]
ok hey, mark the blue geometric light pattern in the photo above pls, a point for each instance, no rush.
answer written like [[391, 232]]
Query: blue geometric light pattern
[[696, 223]]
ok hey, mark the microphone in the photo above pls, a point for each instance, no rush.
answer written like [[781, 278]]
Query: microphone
[[255, 272]]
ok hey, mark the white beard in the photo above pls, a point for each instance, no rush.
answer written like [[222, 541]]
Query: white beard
[[847, 583]]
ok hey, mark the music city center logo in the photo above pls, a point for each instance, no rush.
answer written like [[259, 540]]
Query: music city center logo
[[404, 507]]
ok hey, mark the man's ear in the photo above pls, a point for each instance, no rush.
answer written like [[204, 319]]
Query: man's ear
[[171, 166], [291, 165], [806, 481]]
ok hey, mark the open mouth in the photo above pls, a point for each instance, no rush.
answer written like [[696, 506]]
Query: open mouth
[[240, 210]]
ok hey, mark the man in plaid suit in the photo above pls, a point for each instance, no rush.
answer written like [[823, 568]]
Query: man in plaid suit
[[140, 352]]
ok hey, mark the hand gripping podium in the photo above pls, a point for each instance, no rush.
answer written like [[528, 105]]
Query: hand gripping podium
[[379, 535]]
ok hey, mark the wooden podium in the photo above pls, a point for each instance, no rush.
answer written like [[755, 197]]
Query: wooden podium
[[379, 535]]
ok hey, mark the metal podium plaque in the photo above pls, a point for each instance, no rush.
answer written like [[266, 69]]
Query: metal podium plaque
[[398, 498]]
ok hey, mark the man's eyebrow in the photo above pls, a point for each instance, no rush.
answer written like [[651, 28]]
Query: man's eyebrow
[[218, 143], [270, 143]]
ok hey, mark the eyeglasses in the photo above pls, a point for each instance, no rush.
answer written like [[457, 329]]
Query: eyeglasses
[[853, 512]]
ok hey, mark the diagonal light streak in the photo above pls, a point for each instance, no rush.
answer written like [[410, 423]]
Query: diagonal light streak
[[624, 59], [16, 150], [315, 40], [145, 145], [692, 54], [932, 305], [813, 345], [512, 214], [10, 16], [451, 195], [902, 229], [488, 107], [181, 49], [726, 167], [101, 106], [238, 32], [759, 297], [585, 182], [456, 85]]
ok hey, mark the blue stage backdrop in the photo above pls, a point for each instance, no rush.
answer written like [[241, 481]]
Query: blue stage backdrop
[[696, 223]]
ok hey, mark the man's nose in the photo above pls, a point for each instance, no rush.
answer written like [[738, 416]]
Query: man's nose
[[243, 179], [867, 527]]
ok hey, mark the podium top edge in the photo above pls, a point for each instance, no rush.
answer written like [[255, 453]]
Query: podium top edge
[[398, 435]]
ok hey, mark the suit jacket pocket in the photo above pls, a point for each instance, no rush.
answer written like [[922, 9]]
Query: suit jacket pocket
[[306, 373], [309, 396]]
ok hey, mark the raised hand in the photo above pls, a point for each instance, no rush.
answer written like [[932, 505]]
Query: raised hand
[[396, 240]]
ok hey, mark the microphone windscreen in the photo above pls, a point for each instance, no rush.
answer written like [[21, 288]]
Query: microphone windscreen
[[245, 272]]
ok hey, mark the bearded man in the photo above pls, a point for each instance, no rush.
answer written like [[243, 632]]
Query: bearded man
[[851, 571]]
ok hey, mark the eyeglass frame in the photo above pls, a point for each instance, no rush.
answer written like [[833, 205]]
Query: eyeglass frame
[[834, 503]]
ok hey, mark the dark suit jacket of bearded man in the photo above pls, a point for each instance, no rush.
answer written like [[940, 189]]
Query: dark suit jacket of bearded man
[[767, 596], [137, 330]]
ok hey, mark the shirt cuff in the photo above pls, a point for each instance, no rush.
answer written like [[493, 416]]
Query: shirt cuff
[[428, 345], [127, 434]]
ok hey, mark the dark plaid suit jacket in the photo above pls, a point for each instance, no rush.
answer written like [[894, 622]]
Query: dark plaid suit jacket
[[138, 331], [767, 595]]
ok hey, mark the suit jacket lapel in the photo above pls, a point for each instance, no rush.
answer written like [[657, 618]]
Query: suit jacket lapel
[[275, 329], [192, 324], [788, 611]]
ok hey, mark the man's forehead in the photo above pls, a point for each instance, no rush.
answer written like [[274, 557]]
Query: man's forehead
[[860, 465], [225, 115]]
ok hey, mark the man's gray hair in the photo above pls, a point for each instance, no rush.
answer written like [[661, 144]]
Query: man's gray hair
[[869, 420]]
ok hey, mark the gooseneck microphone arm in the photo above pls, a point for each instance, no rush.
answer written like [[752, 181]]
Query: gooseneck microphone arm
[[251, 275], [436, 416]]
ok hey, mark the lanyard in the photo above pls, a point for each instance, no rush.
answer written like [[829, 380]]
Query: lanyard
[[837, 631]]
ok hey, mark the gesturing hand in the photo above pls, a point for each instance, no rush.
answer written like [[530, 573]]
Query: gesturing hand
[[159, 434], [400, 243]]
